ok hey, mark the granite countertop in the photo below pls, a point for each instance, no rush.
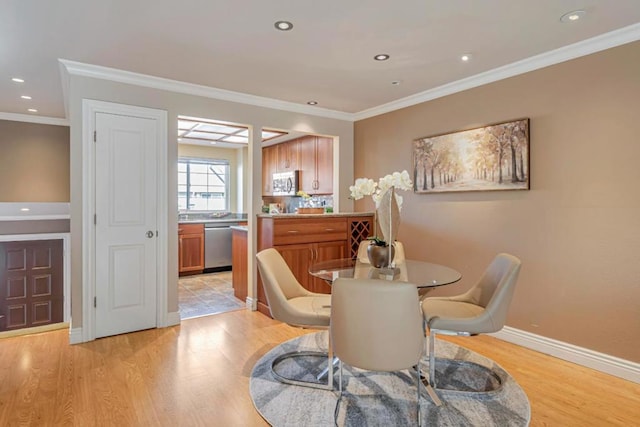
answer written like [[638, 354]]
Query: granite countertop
[[297, 215], [208, 218]]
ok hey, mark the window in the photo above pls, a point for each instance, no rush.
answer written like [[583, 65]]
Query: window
[[203, 185]]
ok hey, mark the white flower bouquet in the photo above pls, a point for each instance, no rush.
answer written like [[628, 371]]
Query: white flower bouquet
[[388, 217]]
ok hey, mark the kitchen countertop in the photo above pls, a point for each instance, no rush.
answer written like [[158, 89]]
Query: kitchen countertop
[[211, 218], [297, 215]]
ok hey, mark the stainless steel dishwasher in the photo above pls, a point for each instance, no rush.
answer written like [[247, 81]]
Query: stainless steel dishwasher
[[217, 244]]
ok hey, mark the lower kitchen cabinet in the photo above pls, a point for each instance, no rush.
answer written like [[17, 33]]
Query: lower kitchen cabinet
[[190, 248], [301, 257]]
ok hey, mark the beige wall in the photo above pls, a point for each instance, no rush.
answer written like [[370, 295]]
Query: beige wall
[[34, 162], [235, 164], [181, 104], [577, 230]]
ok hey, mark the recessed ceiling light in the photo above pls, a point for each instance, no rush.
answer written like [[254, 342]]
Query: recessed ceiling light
[[283, 25], [576, 15], [32, 110], [214, 142], [25, 209], [466, 57], [312, 102], [381, 57], [17, 80], [25, 97]]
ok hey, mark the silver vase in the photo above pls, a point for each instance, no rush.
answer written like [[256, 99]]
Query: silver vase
[[379, 255]]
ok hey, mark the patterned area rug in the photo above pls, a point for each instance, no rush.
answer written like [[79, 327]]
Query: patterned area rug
[[475, 392]]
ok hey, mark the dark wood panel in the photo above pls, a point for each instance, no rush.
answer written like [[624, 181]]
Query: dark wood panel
[[31, 283]]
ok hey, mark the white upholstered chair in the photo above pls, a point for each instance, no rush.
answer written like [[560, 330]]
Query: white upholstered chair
[[482, 309], [290, 303], [377, 325]]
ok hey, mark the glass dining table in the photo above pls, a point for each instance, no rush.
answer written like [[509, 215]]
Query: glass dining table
[[425, 275]]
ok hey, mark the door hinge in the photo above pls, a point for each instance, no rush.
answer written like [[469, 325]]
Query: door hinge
[[95, 219], [156, 233], [95, 302], [95, 136]]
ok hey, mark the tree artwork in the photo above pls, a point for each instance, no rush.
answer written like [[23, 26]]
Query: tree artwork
[[494, 157]]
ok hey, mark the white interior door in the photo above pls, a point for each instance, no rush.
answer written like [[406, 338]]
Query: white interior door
[[126, 223]]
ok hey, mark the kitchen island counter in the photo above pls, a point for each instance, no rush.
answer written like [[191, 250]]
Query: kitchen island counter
[[305, 239], [322, 215]]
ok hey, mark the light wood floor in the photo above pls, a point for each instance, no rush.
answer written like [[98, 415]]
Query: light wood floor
[[197, 374]]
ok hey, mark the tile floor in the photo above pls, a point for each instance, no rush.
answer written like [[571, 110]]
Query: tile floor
[[206, 294]]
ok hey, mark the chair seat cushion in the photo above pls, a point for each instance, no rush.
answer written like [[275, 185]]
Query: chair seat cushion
[[455, 316], [311, 310]]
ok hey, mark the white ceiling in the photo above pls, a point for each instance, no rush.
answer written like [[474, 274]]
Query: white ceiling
[[327, 57]]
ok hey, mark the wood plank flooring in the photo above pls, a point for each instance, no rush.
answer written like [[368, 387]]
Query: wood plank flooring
[[197, 374]]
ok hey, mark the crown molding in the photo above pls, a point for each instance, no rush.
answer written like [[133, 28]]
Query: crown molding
[[34, 119], [128, 77], [596, 44]]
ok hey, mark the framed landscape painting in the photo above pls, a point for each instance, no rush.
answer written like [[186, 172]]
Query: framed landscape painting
[[493, 157]]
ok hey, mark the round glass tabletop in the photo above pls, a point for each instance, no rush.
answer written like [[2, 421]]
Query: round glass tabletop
[[423, 274]]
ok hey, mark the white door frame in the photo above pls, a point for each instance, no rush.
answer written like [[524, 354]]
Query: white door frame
[[89, 109]]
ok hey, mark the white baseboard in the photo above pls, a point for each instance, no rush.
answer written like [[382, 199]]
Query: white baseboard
[[75, 336], [173, 318], [611, 365], [251, 303]]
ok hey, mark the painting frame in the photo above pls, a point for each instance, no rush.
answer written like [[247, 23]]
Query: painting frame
[[493, 157]]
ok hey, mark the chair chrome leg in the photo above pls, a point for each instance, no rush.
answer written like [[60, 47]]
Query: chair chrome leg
[[432, 358], [431, 386], [418, 382], [285, 380], [336, 411], [325, 371]]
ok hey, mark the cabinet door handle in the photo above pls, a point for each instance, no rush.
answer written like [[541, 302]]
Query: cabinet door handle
[[329, 229], [292, 231]]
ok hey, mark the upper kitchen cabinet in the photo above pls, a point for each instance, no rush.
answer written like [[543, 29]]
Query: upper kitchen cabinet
[[269, 167], [288, 156], [316, 164]]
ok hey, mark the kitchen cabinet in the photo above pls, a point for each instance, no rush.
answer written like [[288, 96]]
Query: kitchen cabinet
[[269, 167], [287, 156], [305, 240], [312, 155], [316, 164], [190, 248], [239, 262], [300, 257]]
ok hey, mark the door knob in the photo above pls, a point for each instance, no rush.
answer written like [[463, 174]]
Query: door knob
[[149, 234]]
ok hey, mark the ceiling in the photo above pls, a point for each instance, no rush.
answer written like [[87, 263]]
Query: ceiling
[[327, 57]]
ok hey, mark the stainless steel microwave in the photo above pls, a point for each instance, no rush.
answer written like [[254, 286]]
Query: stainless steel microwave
[[286, 183]]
